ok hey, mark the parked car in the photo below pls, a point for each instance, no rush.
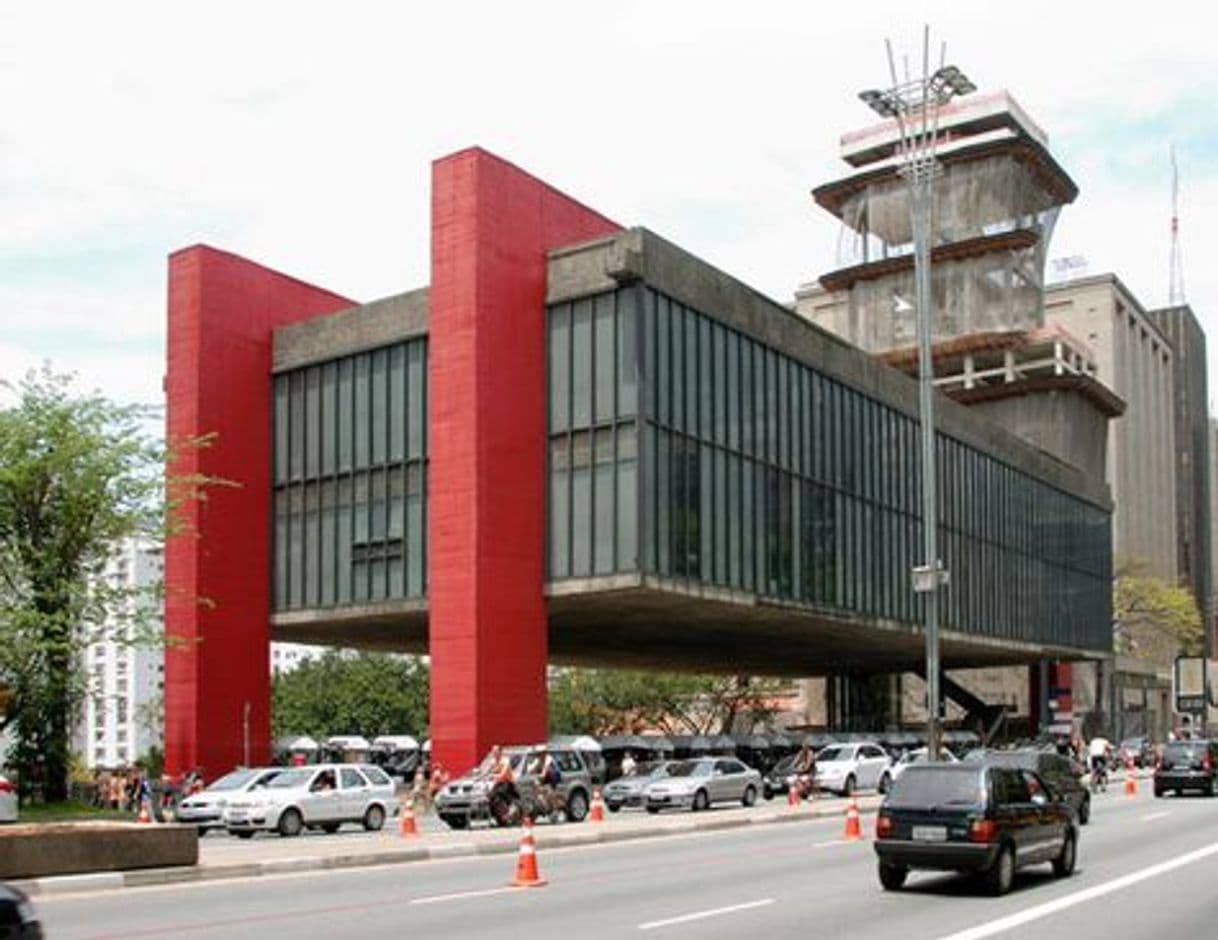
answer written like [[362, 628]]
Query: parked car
[[1186, 765], [396, 754], [696, 784], [1140, 750], [322, 796], [467, 799], [630, 791], [1064, 775], [17, 916], [899, 766], [844, 768], [205, 809], [8, 800], [974, 817]]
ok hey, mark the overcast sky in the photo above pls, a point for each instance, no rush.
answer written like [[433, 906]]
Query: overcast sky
[[300, 135]]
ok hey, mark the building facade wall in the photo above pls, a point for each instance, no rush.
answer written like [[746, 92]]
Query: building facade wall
[[121, 718], [350, 479], [1191, 403], [1134, 360]]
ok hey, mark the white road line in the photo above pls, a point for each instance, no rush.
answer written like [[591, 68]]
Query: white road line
[[461, 895], [701, 915], [1079, 897], [1149, 816]]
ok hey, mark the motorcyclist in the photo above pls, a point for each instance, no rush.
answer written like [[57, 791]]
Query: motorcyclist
[[1099, 754]]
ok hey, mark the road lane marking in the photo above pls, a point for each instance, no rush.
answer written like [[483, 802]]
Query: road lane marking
[[461, 895], [1027, 915], [1149, 816], [702, 915]]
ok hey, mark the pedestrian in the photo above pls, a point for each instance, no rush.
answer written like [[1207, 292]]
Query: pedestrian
[[628, 764], [803, 769]]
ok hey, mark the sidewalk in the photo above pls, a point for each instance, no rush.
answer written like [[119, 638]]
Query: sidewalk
[[223, 858]]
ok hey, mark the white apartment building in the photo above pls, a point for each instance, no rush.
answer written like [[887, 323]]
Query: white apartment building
[[287, 656], [123, 716]]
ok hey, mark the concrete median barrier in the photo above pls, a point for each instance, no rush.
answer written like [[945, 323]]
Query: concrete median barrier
[[37, 851]]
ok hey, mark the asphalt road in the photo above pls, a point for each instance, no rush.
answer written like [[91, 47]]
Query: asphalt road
[[1146, 868]]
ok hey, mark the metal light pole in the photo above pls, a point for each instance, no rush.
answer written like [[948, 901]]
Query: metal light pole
[[914, 104]]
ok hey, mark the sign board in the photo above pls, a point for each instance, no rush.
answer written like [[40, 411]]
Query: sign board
[[1189, 686]]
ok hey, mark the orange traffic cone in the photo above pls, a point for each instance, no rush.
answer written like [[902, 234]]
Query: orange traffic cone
[[144, 816], [854, 830], [597, 812], [793, 795], [1131, 784], [406, 823], [527, 875]]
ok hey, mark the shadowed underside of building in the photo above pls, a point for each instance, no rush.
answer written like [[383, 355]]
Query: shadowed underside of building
[[580, 444]]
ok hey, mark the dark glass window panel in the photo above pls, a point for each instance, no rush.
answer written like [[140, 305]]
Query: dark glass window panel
[[676, 340], [343, 511], [363, 411], [664, 502], [416, 530], [345, 413], [312, 550], [651, 375], [416, 398], [627, 353], [296, 420], [379, 417], [710, 384], [295, 546], [706, 514], [560, 367], [281, 428], [581, 364], [312, 426], [627, 515], [692, 393], [604, 511], [605, 358], [329, 417], [397, 403], [735, 577], [281, 549], [731, 342]]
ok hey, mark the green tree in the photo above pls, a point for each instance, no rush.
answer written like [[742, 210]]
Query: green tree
[[351, 693], [1152, 618], [78, 473], [613, 701]]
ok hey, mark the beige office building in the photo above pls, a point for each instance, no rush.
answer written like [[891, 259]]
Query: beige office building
[[1135, 361]]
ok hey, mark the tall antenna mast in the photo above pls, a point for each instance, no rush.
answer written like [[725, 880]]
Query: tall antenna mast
[[1175, 282]]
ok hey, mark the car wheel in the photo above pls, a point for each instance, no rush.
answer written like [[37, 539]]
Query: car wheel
[[848, 786], [767, 793], [884, 784], [1084, 811], [330, 828], [456, 822], [750, 795], [374, 818], [290, 823], [612, 807], [1209, 788], [1158, 792], [701, 801], [1001, 875], [577, 806], [892, 877], [653, 810], [244, 834], [1063, 865]]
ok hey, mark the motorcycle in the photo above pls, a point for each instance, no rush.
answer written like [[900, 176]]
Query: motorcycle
[[509, 804]]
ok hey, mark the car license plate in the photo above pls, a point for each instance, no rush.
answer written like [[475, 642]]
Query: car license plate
[[930, 833]]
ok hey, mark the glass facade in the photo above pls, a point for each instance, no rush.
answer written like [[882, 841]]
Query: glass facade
[[350, 479], [763, 475], [593, 395]]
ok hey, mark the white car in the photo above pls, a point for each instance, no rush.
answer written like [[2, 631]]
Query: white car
[[845, 768], [323, 796], [8, 801], [205, 808], [908, 759]]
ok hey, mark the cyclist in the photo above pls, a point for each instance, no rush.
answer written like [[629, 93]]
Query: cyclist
[[1099, 753]]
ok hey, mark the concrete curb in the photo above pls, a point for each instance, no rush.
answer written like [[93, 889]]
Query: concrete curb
[[589, 834]]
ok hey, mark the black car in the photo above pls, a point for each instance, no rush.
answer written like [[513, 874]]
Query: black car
[[1186, 765], [1063, 775], [976, 817], [775, 780], [17, 917]]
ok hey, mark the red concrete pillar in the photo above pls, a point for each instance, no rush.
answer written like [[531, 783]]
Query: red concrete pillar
[[491, 226], [222, 310]]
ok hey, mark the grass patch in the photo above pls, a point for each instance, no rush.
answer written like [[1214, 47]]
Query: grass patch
[[64, 812]]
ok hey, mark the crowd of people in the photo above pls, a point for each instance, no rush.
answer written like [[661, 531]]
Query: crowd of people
[[126, 790]]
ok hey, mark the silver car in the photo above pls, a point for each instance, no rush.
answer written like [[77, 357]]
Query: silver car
[[631, 790], [323, 796], [845, 768], [205, 809], [696, 784]]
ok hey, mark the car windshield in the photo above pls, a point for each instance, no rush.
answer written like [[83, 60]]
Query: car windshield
[[233, 780], [784, 765], [835, 753], [289, 779], [1183, 750], [690, 768], [652, 769], [927, 785]]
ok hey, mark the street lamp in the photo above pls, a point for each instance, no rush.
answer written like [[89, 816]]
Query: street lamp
[[915, 104]]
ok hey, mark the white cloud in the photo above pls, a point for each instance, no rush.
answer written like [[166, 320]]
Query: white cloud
[[301, 136]]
